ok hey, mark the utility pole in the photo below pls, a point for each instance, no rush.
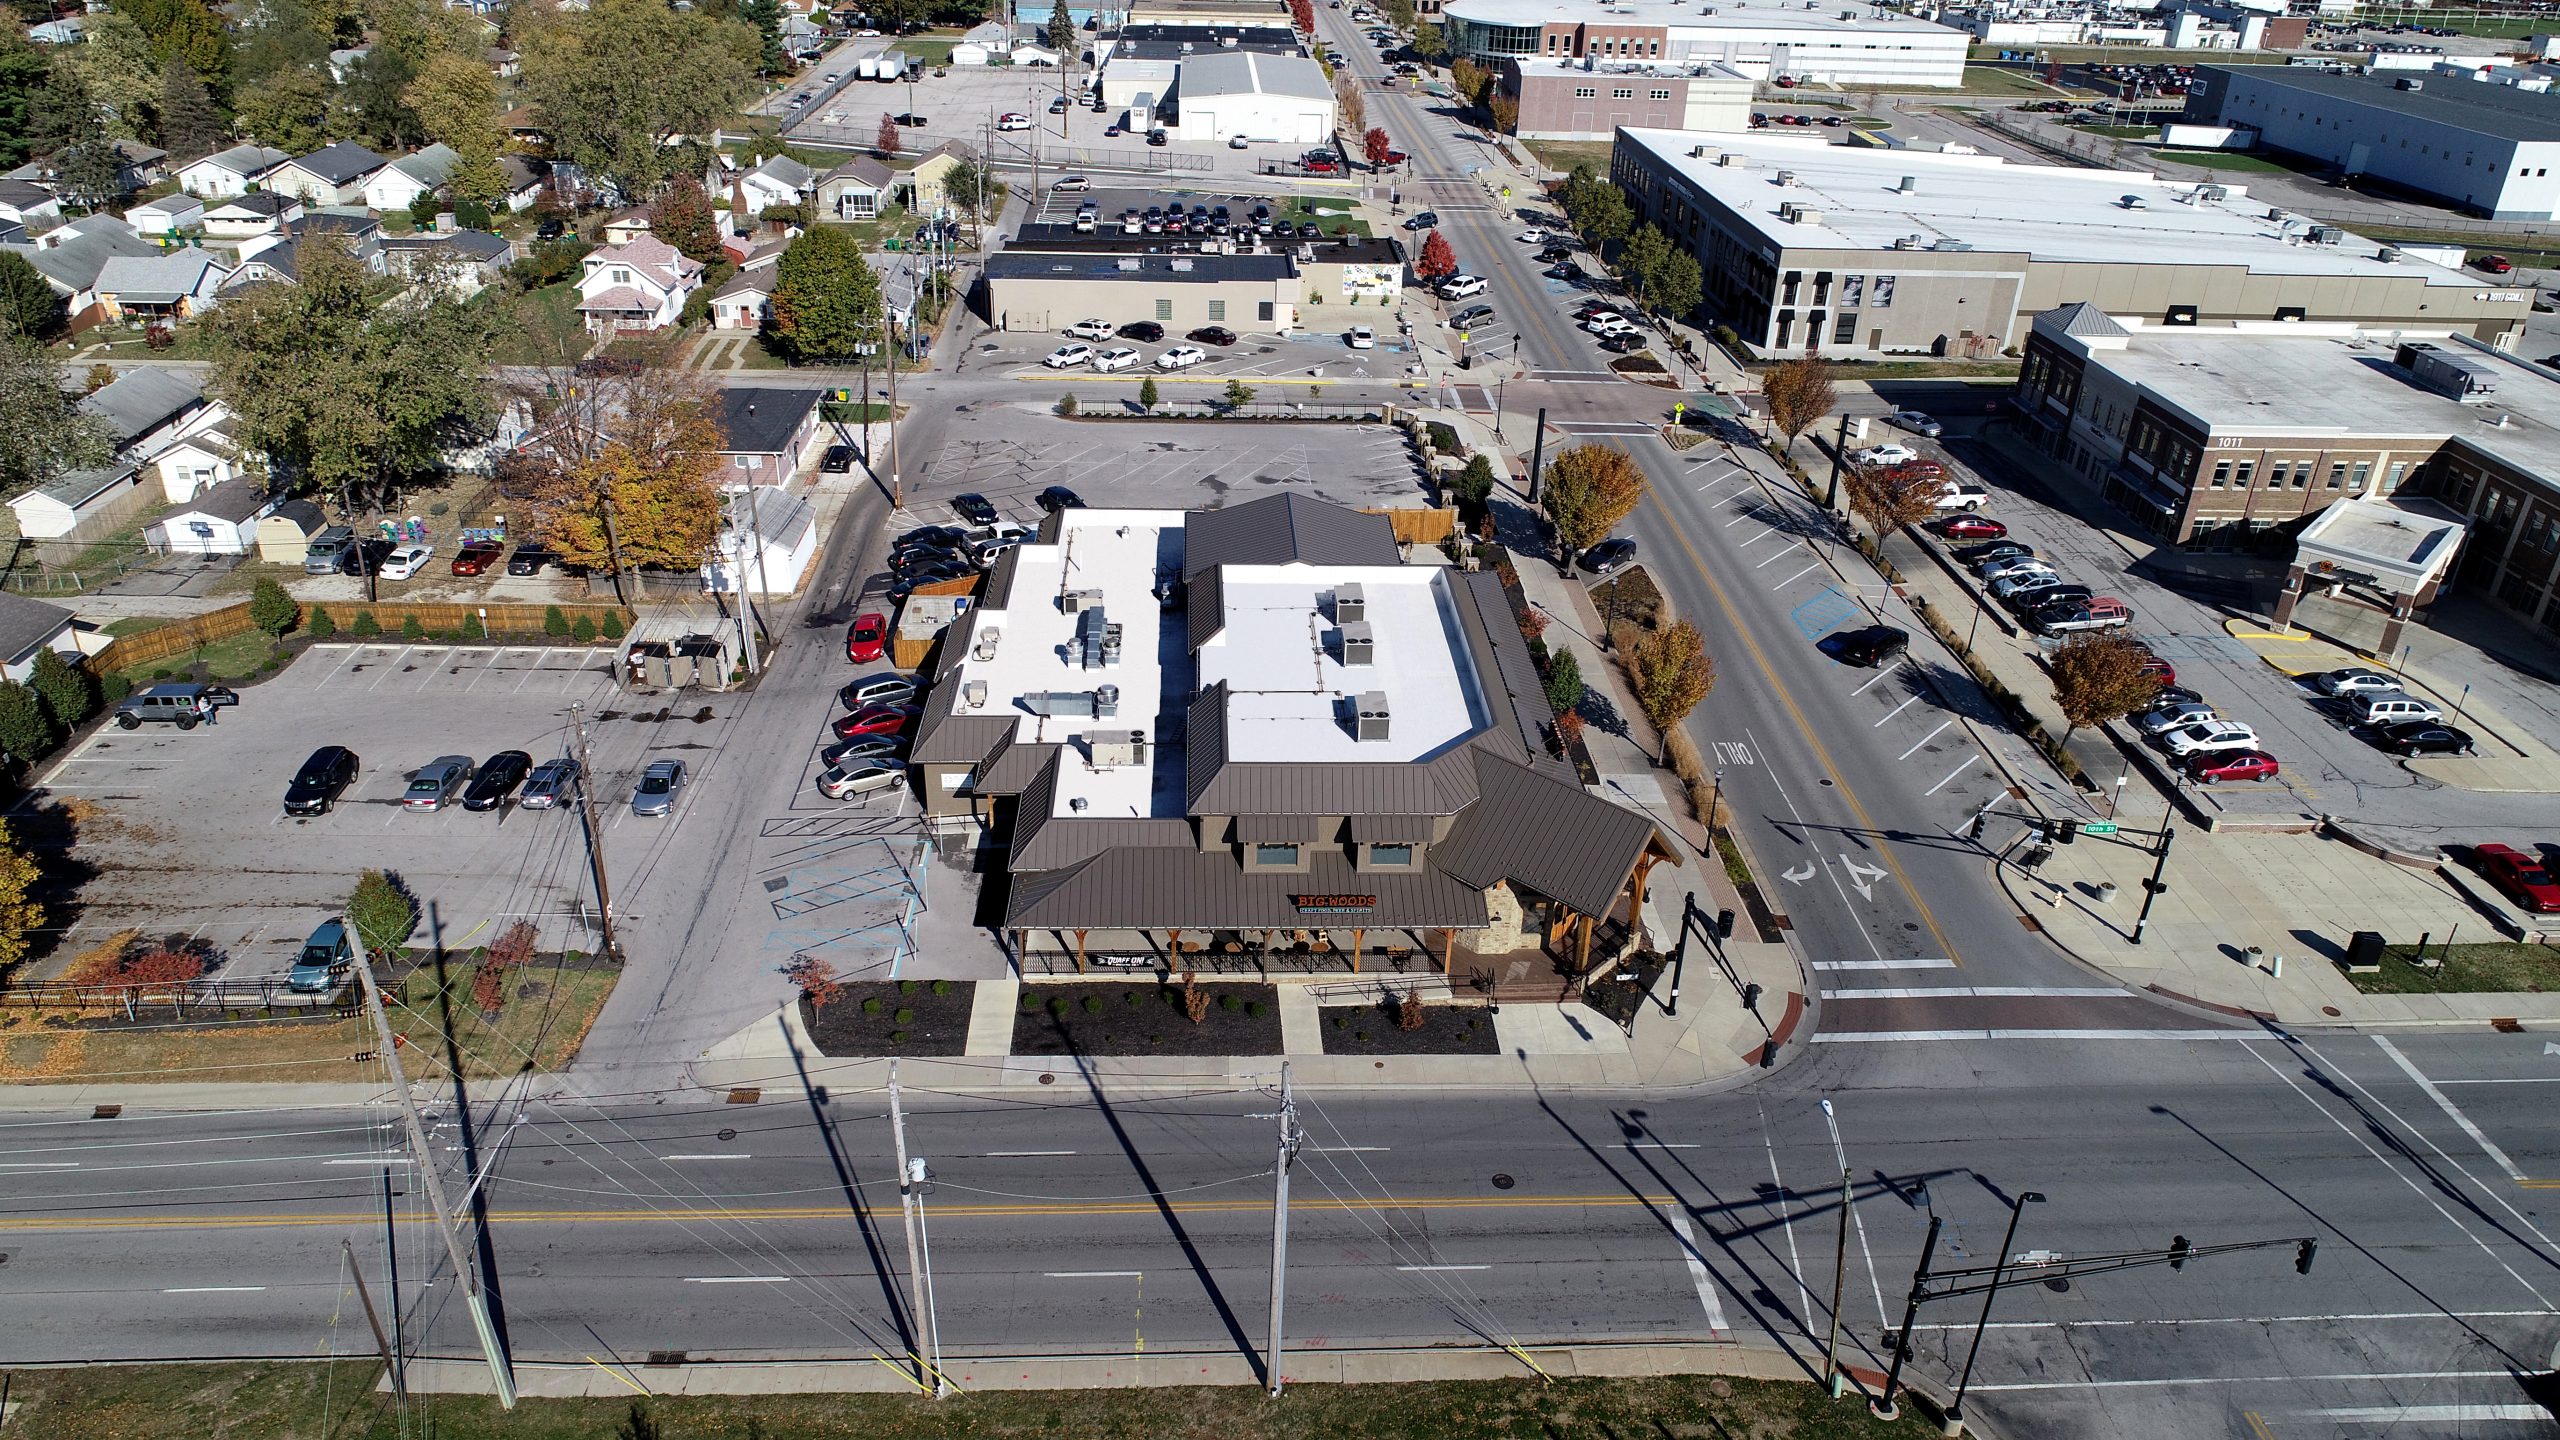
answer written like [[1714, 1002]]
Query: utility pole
[[897, 476], [595, 832], [391, 1261], [1537, 453], [1954, 1424], [919, 1305], [2155, 887], [1839, 449], [1289, 1138], [501, 1369], [372, 1319], [764, 582], [1832, 1379], [1882, 1406], [738, 572]]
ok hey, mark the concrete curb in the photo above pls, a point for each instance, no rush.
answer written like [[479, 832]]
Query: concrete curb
[[2336, 829]]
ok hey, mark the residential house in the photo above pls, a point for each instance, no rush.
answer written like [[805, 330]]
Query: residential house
[[854, 190], [504, 63], [469, 260], [80, 504], [30, 627], [170, 286], [70, 30], [221, 521], [334, 175], [766, 542], [70, 256], [925, 188], [745, 302], [284, 536], [639, 285], [12, 233], [526, 176], [767, 432], [273, 258], [398, 185], [138, 166], [362, 233], [626, 227], [147, 410], [523, 125], [204, 459], [29, 204], [167, 217], [227, 173], [342, 63], [251, 215], [776, 180]]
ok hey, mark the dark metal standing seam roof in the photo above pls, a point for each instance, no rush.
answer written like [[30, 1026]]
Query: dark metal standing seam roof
[[1391, 829], [999, 588], [1011, 767], [1283, 829], [1442, 785], [1509, 674], [1544, 832], [1205, 609], [1160, 889], [1204, 741], [1284, 529], [944, 736]]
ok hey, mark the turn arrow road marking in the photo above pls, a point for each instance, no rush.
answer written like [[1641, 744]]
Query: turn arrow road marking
[[1862, 876]]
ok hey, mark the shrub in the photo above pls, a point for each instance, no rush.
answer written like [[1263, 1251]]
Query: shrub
[[871, 1004], [271, 609], [1230, 1003], [904, 1016], [554, 624], [1195, 1001], [410, 629], [322, 624], [897, 1037], [115, 688], [1066, 405], [1409, 1011], [1341, 1022], [612, 625], [941, 987], [366, 627], [162, 674], [583, 630], [906, 987], [472, 629], [1057, 1004], [1253, 1007], [1444, 438], [1133, 999], [1093, 1004]]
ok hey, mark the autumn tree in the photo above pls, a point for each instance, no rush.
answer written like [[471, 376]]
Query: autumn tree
[[1889, 498], [681, 216], [1409, 1012], [826, 300], [1469, 80], [1346, 95], [1798, 393], [1505, 112], [1587, 490], [1671, 672], [454, 96], [1195, 1001], [816, 979], [1377, 147], [21, 916], [1437, 259], [2098, 678], [509, 953], [162, 962], [624, 471], [621, 82], [885, 144]]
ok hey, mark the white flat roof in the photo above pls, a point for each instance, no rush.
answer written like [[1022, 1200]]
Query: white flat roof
[[1769, 15], [1664, 69], [1288, 690], [2409, 540], [2050, 213]]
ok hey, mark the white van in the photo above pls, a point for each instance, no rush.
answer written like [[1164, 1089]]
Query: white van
[[2390, 707]]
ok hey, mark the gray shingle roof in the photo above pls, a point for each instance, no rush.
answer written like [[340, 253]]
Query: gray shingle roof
[[305, 516], [757, 421], [143, 399], [26, 624], [340, 163], [1286, 529], [72, 255], [250, 161], [235, 500]]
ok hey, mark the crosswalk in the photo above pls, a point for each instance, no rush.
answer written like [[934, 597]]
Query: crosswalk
[[1868, 1002]]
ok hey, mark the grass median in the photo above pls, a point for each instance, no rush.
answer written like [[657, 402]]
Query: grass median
[[2492, 968], [339, 1401]]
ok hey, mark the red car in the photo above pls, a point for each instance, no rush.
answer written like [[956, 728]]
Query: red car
[[868, 638], [477, 557], [1318, 165], [2495, 264], [2159, 669], [2518, 876], [875, 720], [1970, 527], [2218, 765]]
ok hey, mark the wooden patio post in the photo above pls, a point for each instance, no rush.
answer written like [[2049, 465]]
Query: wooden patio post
[[1356, 934], [1582, 949], [1448, 944], [1635, 893], [1079, 952]]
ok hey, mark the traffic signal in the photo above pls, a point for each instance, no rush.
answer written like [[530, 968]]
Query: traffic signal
[[2302, 1256], [2069, 832], [2179, 1250], [1974, 830]]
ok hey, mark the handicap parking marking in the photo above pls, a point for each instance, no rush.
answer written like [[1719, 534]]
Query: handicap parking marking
[[1818, 616]]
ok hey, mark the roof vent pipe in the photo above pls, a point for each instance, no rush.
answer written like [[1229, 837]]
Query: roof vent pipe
[[1910, 185]]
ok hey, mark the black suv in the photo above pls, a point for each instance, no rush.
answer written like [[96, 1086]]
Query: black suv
[[1057, 498], [1145, 332], [530, 558], [1872, 646], [322, 778], [974, 508]]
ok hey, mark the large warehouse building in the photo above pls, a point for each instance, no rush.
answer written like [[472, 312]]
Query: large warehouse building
[[1843, 249], [1260, 96], [1823, 44], [1589, 100], [1049, 277], [2491, 149]]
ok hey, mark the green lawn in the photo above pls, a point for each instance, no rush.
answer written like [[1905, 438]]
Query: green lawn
[[1563, 155], [237, 658], [1994, 80], [548, 330], [2232, 160], [931, 49], [2500, 967], [339, 1402]]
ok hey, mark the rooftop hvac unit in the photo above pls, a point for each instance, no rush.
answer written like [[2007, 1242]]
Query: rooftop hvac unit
[[1077, 803], [1799, 214], [2447, 372], [1730, 160], [1350, 603], [1128, 262], [1106, 701], [2388, 254], [2411, 82], [1182, 265], [1359, 644], [1117, 749], [974, 694], [1951, 245], [1096, 639], [1697, 152], [2325, 235], [1076, 602], [1370, 712], [987, 640], [1073, 704], [1909, 242], [2214, 192], [1786, 179]]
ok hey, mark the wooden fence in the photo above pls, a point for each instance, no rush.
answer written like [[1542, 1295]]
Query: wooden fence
[[1419, 526], [175, 638], [179, 637]]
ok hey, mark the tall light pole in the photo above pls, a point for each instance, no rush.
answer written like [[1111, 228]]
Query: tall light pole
[[1832, 1379], [1715, 807], [1288, 1152], [1955, 1412]]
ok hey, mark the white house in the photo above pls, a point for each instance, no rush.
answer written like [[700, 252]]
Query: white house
[[525, 179], [166, 217], [398, 185], [249, 216], [778, 180], [221, 521], [342, 63], [334, 175], [226, 173], [29, 204], [854, 189], [70, 255], [78, 498], [198, 463], [171, 286], [639, 285], [30, 627], [745, 302], [768, 547]]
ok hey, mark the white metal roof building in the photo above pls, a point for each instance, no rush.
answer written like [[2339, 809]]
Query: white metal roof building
[[1256, 94], [1846, 249], [1764, 39], [2488, 148]]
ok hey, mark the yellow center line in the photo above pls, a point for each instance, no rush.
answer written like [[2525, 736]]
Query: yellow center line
[[1804, 728], [963, 1210]]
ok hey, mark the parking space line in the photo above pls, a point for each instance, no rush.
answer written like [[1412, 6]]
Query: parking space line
[[1879, 678], [1907, 703], [1809, 569], [1952, 774], [1780, 555], [390, 668], [1750, 514], [1763, 535], [1925, 739]]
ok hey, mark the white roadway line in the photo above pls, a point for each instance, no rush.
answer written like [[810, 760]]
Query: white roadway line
[[1344, 1149], [1862, 1037], [1091, 1274], [737, 1279], [2452, 1315], [1413, 1269], [2445, 1102], [214, 1290], [1896, 710], [1776, 555], [1698, 1275], [1786, 1222], [1878, 678], [1837, 888], [39, 1164], [376, 1160], [2459, 1168], [1925, 739], [1984, 992], [1019, 1154], [706, 1157], [1952, 774], [1655, 1145], [1938, 963], [1756, 539], [2023, 1385], [2430, 1414], [1790, 580], [2508, 1080], [2396, 1172]]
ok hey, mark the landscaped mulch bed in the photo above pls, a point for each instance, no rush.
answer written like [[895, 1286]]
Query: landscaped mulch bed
[[894, 1017], [1138, 1018], [1372, 1030]]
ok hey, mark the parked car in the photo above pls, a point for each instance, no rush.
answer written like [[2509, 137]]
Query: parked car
[[861, 748], [1213, 335], [1562, 270], [1969, 527], [1067, 357], [2389, 707], [911, 121], [326, 953], [1462, 287], [530, 558], [2173, 716], [2420, 737], [1553, 253], [2038, 593], [2012, 564], [2352, 681], [1990, 550], [320, 781], [875, 720], [2495, 264], [658, 787], [929, 568], [499, 774], [552, 784], [868, 639], [837, 461], [1872, 646], [1013, 120], [1609, 556], [1181, 357], [328, 552], [2208, 737], [477, 556], [2068, 616], [1918, 423], [1118, 357], [1889, 453], [1422, 220], [1145, 332], [436, 782], [2518, 876], [1622, 342], [1072, 182], [406, 560], [1360, 337], [2160, 670], [1471, 317], [1057, 498], [1531, 236], [974, 508], [886, 687], [861, 777], [2214, 767], [2024, 575], [1967, 498]]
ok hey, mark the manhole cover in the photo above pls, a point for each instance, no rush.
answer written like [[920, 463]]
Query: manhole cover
[[2059, 1285], [1503, 1182], [1048, 1079], [2329, 1010], [728, 1134]]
